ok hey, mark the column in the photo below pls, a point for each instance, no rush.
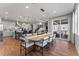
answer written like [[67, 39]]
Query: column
[[50, 26]]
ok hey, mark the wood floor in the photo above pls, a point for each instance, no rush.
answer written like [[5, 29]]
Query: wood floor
[[11, 47]]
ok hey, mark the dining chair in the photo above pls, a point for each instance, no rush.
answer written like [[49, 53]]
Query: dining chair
[[50, 40], [42, 43], [54, 38], [26, 44]]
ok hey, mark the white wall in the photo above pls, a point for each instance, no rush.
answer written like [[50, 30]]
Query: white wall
[[70, 26], [50, 26], [75, 27], [78, 32]]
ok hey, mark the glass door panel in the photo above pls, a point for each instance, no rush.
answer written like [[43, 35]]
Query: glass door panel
[[60, 28]]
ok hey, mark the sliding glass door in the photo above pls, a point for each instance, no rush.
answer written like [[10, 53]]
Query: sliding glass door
[[60, 28]]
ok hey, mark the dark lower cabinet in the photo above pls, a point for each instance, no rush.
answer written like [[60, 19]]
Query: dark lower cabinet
[[1, 36]]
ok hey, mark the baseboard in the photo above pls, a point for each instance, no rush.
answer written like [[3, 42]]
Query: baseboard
[[6, 36]]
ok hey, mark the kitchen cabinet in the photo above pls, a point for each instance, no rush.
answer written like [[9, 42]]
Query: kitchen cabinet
[[1, 31]]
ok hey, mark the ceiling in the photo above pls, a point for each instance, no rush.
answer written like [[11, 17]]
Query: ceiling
[[18, 11]]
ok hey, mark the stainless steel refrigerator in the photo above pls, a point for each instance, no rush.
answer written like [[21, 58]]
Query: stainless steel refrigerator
[[1, 32]]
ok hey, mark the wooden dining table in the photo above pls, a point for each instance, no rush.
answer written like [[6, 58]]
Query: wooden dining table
[[36, 37]]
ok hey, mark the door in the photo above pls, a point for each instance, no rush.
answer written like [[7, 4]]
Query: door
[[60, 28]]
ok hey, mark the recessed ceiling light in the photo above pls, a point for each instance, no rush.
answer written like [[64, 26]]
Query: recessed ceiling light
[[20, 16], [40, 23], [43, 15], [27, 6], [54, 11], [6, 12]]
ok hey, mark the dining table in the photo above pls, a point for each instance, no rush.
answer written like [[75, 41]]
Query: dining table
[[36, 37]]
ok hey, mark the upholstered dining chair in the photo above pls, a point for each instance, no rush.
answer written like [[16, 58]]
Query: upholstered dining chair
[[50, 40], [25, 44], [42, 43]]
